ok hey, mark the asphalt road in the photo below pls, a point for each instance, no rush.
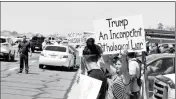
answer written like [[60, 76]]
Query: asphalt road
[[48, 83]]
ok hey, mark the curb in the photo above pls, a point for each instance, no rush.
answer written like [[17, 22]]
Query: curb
[[73, 86]]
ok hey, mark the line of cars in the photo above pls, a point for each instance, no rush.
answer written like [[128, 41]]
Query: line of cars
[[55, 53], [52, 55]]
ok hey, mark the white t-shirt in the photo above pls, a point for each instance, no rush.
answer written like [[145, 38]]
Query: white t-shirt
[[134, 70]]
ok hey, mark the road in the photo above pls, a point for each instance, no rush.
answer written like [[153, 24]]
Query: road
[[48, 83]]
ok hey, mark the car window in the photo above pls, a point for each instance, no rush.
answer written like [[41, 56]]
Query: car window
[[34, 38], [166, 46], [49, 38], [164, 65], [2, 40], [173, 45], [56, 48], [73, 49]]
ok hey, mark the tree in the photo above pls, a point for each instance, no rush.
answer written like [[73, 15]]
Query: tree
[[170, 28], [160, 26]]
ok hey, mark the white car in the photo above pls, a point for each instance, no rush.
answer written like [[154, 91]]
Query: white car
[[57, 55], [7, 52]]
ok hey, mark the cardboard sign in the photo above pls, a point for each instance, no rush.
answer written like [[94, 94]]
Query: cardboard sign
[[90, 87], [113, 34], [75, 38]]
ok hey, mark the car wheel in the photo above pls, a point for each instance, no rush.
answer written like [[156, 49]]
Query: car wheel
[[32, 50], [41, 49], [70, 68], [13, 56], [40, 66], [8, 58]]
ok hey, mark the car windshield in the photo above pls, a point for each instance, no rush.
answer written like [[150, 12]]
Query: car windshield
[[56, 48], [38, 38], [2, 40], [166, 46]]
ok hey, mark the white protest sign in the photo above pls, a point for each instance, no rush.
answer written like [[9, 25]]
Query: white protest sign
[[75, 38], [90, 87], [113, 34]]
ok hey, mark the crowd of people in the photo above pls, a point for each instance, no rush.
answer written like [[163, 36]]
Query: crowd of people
[[124, 84]]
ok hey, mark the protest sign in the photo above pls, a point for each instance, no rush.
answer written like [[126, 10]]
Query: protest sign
[[90, 87], [75, 38], [113, 34]]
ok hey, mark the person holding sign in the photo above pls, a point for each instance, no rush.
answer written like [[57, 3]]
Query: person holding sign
[[119, 85], [91, 55]]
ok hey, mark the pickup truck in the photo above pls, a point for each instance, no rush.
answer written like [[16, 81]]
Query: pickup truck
[[164, 87], [36, 43]]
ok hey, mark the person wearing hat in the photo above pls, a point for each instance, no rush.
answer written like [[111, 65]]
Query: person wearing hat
[[23, 49]]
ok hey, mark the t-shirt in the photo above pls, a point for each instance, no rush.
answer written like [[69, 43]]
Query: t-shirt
[[134, 70], [24, 47]]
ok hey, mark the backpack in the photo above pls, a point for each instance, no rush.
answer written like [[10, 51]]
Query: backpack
[[139, 82]]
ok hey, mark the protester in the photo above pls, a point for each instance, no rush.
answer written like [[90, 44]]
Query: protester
[[119, 85], [44, 44], [91, 55], [134, 70], [23, 49], [157, 48]]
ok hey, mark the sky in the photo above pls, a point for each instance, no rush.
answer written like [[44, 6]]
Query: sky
[[69, 17]]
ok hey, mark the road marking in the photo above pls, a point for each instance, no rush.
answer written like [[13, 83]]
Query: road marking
[[13, 68]]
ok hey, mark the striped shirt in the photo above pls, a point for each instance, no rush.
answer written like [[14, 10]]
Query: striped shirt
[[117, 89]]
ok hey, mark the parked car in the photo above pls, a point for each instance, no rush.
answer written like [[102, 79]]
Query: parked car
[[36, 43], [159, 64], [164, 87], [7, 52], [57, 55]]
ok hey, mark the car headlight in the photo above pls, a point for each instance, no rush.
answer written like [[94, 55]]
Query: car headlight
[[171, 84], [166, 80]]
